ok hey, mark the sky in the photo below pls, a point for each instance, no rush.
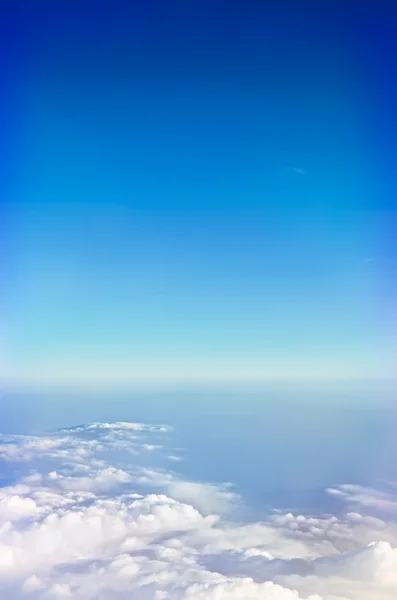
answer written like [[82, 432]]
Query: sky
[[197, 194], [197, 191]]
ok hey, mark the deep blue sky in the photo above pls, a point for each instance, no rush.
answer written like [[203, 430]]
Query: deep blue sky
[[198, 187]]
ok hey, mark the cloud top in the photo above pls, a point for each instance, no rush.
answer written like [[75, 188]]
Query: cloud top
[[81, 517]]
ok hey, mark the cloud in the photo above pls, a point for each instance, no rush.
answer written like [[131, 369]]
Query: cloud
[[299, 170], [294, 172], [382, 500], [206, 497], [174, 458], [82, 518], [14, 507]]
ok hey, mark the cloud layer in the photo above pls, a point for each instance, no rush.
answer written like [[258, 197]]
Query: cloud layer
[[86, 514]]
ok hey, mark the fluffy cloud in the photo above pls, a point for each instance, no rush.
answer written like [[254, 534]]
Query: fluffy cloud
[[82, 518], [206, 497]]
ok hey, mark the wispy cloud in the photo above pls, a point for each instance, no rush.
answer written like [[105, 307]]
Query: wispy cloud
[[299, 170], [294, 172]]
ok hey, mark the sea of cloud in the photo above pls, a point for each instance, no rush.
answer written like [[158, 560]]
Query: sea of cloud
[[83, 516]]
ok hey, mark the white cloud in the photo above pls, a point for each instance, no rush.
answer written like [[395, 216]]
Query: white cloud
[[174, 458], [32, 584], [206, 497], [365, 496], [14, 507], [86, 524]]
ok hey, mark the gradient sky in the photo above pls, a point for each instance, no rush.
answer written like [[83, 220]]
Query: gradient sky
[[198, 190]]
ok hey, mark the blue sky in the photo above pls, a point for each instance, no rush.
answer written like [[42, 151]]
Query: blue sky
[[199, 190]]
